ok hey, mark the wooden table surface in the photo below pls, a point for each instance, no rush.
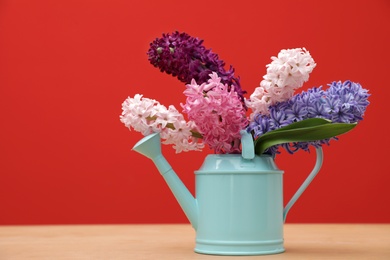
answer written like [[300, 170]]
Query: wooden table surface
[[302, 241]]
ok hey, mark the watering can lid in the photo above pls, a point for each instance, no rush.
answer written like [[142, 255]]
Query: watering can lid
[[235, 163]]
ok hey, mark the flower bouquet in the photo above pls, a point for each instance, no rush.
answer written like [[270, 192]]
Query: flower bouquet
[[216, 109]]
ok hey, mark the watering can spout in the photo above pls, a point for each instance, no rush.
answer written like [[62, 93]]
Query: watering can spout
[[150, 146]]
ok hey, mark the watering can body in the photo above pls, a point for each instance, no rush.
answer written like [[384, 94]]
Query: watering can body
[[238, 209], [240, 206]]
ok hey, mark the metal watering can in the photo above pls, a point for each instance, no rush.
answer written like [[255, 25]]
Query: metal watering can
[[238, 209]]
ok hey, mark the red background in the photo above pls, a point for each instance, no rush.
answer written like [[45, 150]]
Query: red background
[[67, 66]]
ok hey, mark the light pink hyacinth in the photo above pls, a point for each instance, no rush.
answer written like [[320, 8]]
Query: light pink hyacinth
[[217, 112], [149, 116], [285, 74]]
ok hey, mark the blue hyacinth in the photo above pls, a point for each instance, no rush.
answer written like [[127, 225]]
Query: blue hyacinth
[[342, 102]]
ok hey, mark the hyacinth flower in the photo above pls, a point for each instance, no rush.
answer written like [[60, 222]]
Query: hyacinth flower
[[343, 103], [217, 112], [216, 107], [186, 58], [285, 74], [148, 116]]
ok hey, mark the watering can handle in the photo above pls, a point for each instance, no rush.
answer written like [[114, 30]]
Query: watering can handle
[[306, 183], [248, 149]]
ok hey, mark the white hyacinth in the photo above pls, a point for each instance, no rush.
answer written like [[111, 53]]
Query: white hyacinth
[[149, 116], [285, 74]]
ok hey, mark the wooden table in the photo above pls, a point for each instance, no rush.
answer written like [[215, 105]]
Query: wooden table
[[94, 242]]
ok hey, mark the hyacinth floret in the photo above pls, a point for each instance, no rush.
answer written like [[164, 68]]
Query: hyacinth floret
[[149, 116], [286, 73], [342, 102], [350, 101], [217, 112], [186, 58]]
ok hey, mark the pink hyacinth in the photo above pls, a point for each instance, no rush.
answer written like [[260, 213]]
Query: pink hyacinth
[[217, 112]]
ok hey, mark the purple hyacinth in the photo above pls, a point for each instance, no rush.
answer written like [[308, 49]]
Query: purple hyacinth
[[341, 103], [186, 58]]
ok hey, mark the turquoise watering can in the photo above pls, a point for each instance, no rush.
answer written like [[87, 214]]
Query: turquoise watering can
[[238, 209]]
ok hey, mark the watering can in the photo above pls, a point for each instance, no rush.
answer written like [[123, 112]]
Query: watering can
[[238, 209]]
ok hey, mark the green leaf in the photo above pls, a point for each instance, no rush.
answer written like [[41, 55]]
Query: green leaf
[[303, 123], [300, 124], [308, 130]]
